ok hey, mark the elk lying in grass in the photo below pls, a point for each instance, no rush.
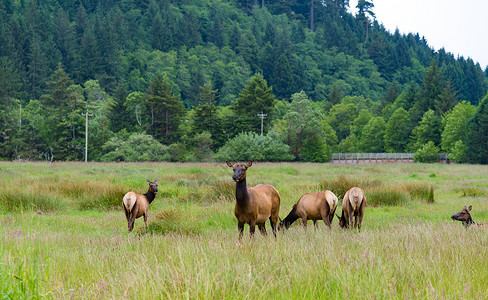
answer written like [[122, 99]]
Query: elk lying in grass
[[465, 217], [136, 205], [312, 206], [254, 205], [353, 205]]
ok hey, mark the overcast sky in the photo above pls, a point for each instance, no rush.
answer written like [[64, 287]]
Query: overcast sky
[[458, 26]]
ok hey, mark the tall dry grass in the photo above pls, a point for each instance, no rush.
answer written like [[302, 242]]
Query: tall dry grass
[[408, 249]]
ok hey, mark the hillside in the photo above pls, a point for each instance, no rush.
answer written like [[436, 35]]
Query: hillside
[[60, 58]]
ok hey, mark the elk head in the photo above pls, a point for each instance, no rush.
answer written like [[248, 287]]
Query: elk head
[[342, 221], [239, 170], [464, 216], [153, 186]]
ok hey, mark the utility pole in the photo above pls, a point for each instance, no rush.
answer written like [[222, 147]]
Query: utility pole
[[86, 133], [262, 116]]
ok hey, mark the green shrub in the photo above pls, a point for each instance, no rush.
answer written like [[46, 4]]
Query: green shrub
[[458, 152], [137, 147], [252, 146], [429, 153]]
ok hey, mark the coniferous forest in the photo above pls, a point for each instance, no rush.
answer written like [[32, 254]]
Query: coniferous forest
[[186, 80]]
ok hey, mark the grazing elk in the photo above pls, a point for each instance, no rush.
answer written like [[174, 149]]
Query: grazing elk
[[353, 205], [254, 205], [312, 206], [136, 205], [465, 217]]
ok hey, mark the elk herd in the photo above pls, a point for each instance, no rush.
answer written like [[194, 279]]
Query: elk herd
[[255, 205]]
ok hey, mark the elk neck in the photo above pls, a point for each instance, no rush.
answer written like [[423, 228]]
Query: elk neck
[[242, 196], [150, 196]]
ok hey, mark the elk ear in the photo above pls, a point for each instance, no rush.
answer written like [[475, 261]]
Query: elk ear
[[469, 208], [156, 180], [249, 164], [148, 180], [229, 163]]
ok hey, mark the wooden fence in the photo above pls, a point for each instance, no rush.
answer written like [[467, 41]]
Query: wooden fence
[[356, 158]]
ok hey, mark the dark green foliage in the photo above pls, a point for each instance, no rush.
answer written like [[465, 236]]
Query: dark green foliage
[[58, 59], [256, 98], [477, 140]]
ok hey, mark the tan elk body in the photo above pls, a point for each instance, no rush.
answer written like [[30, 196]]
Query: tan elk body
[[313, 206], [254, 205], [137, 205], [353, 206]]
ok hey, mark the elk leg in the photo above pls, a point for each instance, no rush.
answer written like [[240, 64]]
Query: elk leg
[[132, 218], [145, 220], [273, 226], [331, 217], [315, 224], [304, 221], [126, 213], [361, 213], [262, 228], [324, 212], [240, 227], [252, 228]]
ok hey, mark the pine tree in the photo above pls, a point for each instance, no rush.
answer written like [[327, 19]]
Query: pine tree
[[477, 147], [256, 97], [206, 116]]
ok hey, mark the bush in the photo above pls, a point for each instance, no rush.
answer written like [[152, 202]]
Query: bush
[[251, 146], [429, 153], [458, 152], [137, 147]]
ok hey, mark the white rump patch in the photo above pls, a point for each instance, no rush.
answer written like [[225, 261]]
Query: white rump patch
[[129, 200]]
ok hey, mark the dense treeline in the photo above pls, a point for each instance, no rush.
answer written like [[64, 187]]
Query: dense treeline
[[185, 80]]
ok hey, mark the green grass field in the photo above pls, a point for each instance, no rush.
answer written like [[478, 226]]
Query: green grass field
[[63, 234]]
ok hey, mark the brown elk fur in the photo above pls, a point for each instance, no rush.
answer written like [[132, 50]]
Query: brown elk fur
[[353, 205], [465, 217], [254, 205], [312, 206], [136, 205]]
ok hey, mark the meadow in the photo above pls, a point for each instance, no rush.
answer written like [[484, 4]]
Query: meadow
[[63, 233]]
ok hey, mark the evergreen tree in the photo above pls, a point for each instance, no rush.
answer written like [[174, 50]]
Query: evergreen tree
[[446, 100], [433, 85], [166, 111], [477, 147], [256, 98], [206, 117]]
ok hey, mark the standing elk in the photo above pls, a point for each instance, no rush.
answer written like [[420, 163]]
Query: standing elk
[[465, 217], [136, 205], [254, 205], [353, 205], [312, 206]]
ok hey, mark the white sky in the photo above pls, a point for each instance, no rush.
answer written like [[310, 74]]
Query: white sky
[[458, 26]]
